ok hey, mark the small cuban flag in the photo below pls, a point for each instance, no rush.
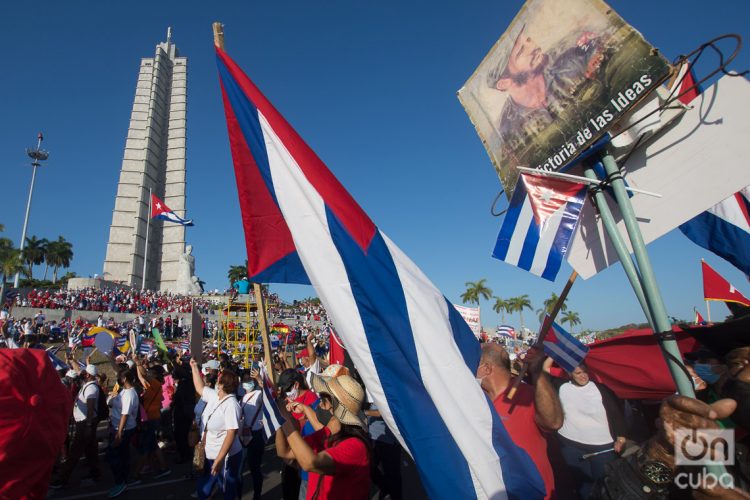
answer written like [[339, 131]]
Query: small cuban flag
[[161, 211], [565, 349]]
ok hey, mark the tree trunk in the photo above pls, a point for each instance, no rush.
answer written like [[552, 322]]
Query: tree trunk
[[520, 314], [54, 275], [46, 267]]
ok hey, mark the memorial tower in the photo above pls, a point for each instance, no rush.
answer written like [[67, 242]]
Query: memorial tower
[[154, 159]]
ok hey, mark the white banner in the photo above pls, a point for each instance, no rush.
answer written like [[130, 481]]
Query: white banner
[[472, 318], [694, 165]]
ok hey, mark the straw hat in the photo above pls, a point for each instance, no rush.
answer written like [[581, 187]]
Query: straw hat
[[348, 397]]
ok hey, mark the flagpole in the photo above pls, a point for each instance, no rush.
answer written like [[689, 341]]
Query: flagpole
[[610, 226], [145, 252], [708, 311]]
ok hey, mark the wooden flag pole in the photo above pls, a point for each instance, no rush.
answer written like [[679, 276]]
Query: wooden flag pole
[[218, 30], [546, 324]]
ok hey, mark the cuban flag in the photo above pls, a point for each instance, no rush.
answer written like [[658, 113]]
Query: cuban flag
[[272, 419], [414, 352], [724, 229], [567, 351], [506, 331], [185, 345], [539, 224], [146, 347], [161, 211]]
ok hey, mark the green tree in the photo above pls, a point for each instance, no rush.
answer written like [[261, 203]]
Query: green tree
[[518, 304], [549, 304], [572, 318], [10, 262], [501, 307], [474, 291], [59, 254], [33, 253], [236, 273]]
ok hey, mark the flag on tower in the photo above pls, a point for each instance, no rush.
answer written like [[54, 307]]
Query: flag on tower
[[539, 224], [302, 226], [715, 287], [161, 211]]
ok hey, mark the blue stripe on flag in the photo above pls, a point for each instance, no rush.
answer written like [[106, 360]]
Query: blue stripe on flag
[[567, 351], [530, 244], [247, 117], [564, 236], [509, 223], [721, 237], [382, 308]]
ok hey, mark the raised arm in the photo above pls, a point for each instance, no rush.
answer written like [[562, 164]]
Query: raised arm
[[143, 375], [197, 379], [549, 414]]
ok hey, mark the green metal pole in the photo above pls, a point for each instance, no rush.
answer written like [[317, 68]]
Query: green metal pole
[[648, 280], [622, 251]]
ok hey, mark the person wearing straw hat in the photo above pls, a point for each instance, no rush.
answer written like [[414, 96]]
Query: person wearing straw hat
[[337, 455]]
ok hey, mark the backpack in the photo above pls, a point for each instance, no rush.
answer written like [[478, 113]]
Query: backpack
[[102, 409]]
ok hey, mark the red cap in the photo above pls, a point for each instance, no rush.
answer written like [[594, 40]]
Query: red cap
[[35, 411]]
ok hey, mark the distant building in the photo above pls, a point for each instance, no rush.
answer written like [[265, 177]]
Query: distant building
[[154, 159]]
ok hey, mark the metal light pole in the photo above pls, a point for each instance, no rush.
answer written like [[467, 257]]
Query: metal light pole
[[37, 155]]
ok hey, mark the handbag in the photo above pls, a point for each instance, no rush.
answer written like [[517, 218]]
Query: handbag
[[246, 435], [199, 452]]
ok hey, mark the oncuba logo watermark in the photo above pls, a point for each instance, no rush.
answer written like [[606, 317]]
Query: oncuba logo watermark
[[701, 448]]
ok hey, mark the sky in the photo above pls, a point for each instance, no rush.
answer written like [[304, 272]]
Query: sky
[[371, 86]]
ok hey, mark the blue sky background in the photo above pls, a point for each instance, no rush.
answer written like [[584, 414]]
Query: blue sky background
[[371, 87]]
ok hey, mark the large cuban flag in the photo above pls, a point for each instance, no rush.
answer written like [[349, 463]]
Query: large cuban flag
[[415, 353]]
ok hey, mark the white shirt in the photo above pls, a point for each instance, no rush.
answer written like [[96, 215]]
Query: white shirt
[[585, 418], [220, 416], [125, 403], [250, 407], [313, 368], [4, 314], [89, 391], [99, 321]]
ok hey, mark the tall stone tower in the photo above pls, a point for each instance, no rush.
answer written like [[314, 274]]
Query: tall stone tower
[[154, 160]]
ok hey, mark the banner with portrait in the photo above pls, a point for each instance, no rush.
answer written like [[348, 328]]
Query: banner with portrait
[[559, 77]]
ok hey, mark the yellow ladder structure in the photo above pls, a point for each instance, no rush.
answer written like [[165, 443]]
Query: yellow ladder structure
[[239, 333]]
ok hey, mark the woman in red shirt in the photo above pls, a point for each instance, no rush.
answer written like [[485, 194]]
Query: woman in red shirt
[[337, 455]]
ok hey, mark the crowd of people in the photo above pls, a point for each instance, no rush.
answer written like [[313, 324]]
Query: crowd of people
[[118, 300], [161, 407]]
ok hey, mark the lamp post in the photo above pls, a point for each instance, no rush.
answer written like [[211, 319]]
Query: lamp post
[[37, 156]]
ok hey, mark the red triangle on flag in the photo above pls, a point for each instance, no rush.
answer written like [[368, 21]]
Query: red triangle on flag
[[547, 195], [157, 206]]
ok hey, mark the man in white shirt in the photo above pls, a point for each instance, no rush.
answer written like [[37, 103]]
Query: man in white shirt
[[251, 433], [84, 436]]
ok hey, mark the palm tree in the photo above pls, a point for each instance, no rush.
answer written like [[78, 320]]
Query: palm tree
[[572, 318], [236, 273], [475, 290], [10, 262], [59, 254], [33, 253], [549, 304], [518, 304], [501, 307]]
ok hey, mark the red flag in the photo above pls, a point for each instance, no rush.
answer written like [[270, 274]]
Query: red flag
[[715, 287], [336, 350], [699, 319], [684, 84]]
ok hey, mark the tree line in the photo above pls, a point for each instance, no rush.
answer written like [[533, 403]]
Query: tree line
[[477, 290], [56, 254]]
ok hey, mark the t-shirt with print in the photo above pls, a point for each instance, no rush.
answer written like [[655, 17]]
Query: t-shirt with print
[[220, 416], [521, 426], [125, 403], [352, 478], [89, 391], [152, 399]]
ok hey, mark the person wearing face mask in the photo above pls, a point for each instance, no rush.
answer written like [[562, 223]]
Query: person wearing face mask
[[737, 386], [219, 428], [251, 434], [337, 454], [293, 387]]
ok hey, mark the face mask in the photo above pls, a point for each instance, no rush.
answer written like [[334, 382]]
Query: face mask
[[292, 394], [323, 416], [248, 386], [706, 372]]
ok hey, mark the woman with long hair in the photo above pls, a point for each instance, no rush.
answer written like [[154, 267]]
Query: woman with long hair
[[219, 424], [337, 454]]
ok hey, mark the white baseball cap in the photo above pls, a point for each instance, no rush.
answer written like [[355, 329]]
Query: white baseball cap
[[91, 370], [130, 363], [71, 374]]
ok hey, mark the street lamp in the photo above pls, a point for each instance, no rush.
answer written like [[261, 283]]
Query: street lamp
[[37, 156]]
